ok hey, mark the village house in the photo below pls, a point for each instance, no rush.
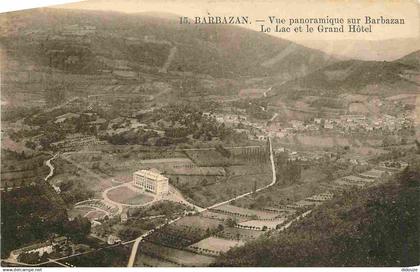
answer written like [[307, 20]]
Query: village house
[[124, 218]]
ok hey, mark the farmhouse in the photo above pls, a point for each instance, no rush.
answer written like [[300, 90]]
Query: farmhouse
[[151, 181]]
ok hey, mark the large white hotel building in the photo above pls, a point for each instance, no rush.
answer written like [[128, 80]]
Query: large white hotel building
[[151, 181]]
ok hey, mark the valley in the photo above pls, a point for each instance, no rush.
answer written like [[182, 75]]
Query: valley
[[165, 146]]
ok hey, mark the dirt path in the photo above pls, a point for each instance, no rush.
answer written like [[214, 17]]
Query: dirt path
[[168, 61], [48, 163]]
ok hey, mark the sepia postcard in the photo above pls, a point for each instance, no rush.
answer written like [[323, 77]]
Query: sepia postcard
[[210, 133]]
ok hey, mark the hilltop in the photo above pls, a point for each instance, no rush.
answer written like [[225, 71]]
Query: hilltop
[[145, 41], [412, 59], [360, 77]]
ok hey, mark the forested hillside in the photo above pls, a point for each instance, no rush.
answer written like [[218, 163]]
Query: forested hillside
[[145, 41], [33, 214]]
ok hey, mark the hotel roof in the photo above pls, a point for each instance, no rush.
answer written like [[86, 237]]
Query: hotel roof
[[152, 174]]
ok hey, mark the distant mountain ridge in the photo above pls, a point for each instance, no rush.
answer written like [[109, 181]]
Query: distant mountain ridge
[[357, 76], [219, 51], [412, 59]]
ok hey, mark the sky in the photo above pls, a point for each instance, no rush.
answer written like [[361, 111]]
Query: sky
[[386, 42]]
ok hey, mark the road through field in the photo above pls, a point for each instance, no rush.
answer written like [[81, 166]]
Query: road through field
[[139, 239], [48, 163]]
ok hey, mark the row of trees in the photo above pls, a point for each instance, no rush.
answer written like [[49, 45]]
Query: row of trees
[[288, 172], [254, 154]]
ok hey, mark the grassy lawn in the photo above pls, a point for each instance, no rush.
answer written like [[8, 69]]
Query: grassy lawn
[[125, 195]]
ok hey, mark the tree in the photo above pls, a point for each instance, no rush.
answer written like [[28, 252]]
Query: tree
[[231, 222], [31, 257], [254, 189], [78, 228], [220, 227], [30, 144]]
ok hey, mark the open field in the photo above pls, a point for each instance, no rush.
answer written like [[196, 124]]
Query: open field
[[208, 158], [198, 222], [251, 93], [125, 195], [95, 215], [215, 215], [77, 180], [223, 190], [259, 224], [121, 162], [215, 245], [283, 194], [143, 260], [82, 211], [17, 170], [181, 166], [238, 211], [107, 257], [181, 257], [231, 233], [248, 169]]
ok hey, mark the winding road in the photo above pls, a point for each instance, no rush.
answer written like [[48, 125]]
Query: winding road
[[48, 163]]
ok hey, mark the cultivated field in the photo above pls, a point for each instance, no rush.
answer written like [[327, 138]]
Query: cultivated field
[[208, 158], [234, 210], [225, 189], [198, 222], [181, 257], [218, 216], [143, 260], [251, 93], [215, 245], [181, 166], [82, 211], [259, 224], [239, 234]]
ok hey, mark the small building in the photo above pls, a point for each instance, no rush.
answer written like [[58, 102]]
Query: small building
[[60, 241], [262, 137], [112, 239], [124, 217]]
